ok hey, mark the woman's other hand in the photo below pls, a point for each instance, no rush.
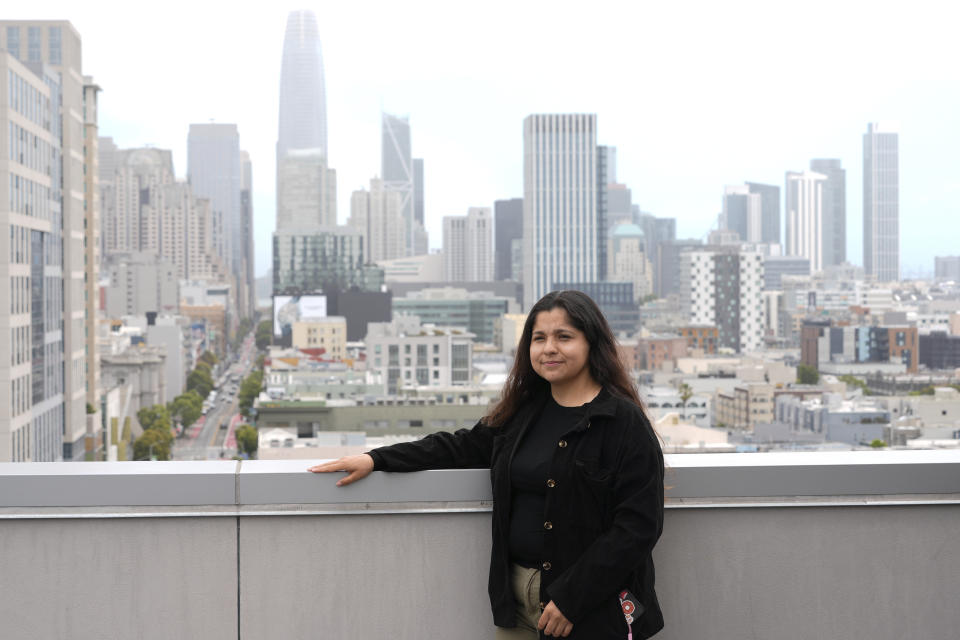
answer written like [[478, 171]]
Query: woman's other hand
[[357, 468], [553, 623]]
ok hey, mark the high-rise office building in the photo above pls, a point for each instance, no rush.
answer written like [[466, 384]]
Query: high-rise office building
[[246, 218], [145, 209], [834, 209], [805, 225], [468, 246], [881, 203], [306, 191], [92, 253], [725, 290], [47, 110], [215, 171], [303, 98], [321, 259], [769, 211], [377, 214], [657, 233], [946, 268], [397, 172], [508, 227], [562, 230], [418, 191], [742, 213]]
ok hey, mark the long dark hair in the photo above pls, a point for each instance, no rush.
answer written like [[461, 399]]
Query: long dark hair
[[606, 368]]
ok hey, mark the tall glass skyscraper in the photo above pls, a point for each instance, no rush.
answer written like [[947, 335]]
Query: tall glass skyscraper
[[303, 96]]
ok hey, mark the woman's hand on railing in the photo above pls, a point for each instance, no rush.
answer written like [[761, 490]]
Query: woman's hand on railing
[[357, 468]]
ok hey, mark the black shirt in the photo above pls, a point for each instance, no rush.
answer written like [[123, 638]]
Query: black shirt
[[529, 474]]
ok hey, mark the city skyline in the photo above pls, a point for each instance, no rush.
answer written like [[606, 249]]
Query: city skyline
[[756, 141]]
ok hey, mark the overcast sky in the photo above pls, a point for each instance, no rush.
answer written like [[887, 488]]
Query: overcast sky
[[694, 95]]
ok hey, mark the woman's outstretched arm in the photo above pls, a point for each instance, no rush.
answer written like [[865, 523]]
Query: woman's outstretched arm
[[357, 468]]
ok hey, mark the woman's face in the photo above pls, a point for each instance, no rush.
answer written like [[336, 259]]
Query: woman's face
[[559, 352]]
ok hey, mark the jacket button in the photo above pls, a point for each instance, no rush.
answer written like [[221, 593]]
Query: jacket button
[[547, 566], [543, 605], [562, 444], [588, 425], [551, 483], [548, 525]]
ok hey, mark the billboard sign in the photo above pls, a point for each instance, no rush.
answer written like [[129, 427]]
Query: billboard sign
[[290, 309]]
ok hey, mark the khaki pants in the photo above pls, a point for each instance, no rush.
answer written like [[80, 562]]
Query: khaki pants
[[526, 589]]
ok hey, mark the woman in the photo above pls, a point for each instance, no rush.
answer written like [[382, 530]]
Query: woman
[[577, 476]]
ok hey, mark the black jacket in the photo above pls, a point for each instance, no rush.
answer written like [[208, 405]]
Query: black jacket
[[604, 511]]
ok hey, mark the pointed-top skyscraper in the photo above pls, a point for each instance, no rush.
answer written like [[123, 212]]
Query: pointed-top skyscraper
[[303, 96]]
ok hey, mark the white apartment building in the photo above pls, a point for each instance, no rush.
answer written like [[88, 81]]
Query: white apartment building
[[43, 336], [726, 285], [561, 225], [468, 246], [409, 354], [805, 220], [377, 213]]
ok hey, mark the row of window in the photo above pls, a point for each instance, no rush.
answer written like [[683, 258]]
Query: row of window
[[19, 345], [28, 100], [31, 198], [20, 395], [30, 150]]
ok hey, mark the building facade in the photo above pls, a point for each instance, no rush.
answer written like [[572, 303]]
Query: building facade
[[306, 190], [805, 235], [508, 227], [468, 246], [769, 211], [834, 209], [303, 99], [742, 213], [946, 268], [44, 125], [725, 292], [378, 214], [561, 218], [215, 172], [319, 259], [881, 203], [409, 354], [474, 312]]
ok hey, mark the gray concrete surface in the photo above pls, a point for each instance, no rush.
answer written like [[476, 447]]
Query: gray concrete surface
[[119, 579], [400, 556]]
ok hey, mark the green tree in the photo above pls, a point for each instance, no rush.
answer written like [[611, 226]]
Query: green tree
[[878, 444], [261, 358], [200, 381], [249, 390], [160, 441], [807, 374], [154, 417], [686, 392], [264, 334], [186, 408], [209, 357], [247, 439], [155, 421]]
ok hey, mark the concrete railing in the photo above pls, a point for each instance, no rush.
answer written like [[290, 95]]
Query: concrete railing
[[774, 545]]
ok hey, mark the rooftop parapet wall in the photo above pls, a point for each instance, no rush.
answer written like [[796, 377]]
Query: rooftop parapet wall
[[776, 546], [728, 477]]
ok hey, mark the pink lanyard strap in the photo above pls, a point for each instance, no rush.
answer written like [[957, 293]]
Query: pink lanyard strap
[[628, 605]]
